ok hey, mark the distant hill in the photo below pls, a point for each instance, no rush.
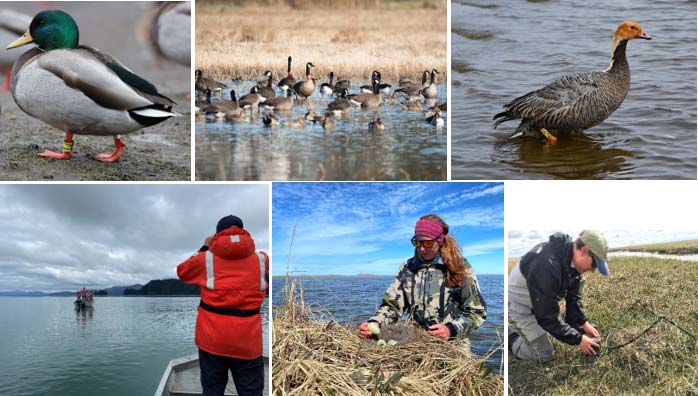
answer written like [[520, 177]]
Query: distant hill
[[119, 290], [164, 287], [22, 293]]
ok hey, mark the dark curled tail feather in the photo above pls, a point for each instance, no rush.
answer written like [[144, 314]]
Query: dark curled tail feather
[[503, 117]]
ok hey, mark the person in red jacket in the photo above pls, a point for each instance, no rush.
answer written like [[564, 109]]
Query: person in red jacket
[[234, 279]]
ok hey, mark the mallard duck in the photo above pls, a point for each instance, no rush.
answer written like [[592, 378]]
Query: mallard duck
[[12, 24], [79, 89], [575, 102], [170, 31]]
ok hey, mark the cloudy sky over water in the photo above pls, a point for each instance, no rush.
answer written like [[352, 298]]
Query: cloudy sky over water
[[64, 237], [521, 242], [355, 228]]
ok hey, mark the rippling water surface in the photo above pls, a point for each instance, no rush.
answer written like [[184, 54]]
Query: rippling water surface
[[504, 49], [408, 149], [121, 347], [354, 299]]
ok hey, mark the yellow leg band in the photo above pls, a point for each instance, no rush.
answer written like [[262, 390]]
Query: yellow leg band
[[67, 146], [549, 136]]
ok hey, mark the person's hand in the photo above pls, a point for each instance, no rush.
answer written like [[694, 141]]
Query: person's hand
[[207, 241], [363, 330], [587, 346], [439, 330], [590, 330]]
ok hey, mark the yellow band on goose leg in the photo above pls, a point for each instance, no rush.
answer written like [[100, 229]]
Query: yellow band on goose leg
[[67, 146], [549, 136]]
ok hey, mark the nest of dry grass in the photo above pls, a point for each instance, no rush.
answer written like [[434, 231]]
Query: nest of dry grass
[[313, 357]]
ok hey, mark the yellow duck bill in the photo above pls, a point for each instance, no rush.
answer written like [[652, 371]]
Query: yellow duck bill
[[24, 40]]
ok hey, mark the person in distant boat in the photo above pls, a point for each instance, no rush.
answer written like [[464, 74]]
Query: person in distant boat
[[548, 273], [436, 287], [234, 280]]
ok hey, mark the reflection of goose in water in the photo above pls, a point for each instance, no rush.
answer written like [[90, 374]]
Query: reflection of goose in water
[[574, 157], [575, 102]]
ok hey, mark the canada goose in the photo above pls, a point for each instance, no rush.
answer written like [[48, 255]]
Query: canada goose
[[404, 81], [267, 91], [384, 88], [367, 99], [328, 88], [341, 85], [203, 82], [575, 102], [270, 120], [297, 123], [435, 119], [376, 125], [236, 116], [288, 81], [414, 105], [311, 115], [341, 104], [305, 88], [430, 111], [229, 105], [414, 89], [328, 122], [280, 102], [252, 99], [430, 91]]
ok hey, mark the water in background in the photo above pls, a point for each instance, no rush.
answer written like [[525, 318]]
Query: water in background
[[503, 49], [408, 149], [121, 347], [354, 299]]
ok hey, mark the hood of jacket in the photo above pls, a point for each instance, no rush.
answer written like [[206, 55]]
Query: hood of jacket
[[232, 244]]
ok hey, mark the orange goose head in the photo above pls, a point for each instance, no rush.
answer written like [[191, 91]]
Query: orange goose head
[[628, 30]]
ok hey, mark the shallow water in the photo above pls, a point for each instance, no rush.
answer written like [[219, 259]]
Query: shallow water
[[680, 257], [408, 149], [351, 300], [502, 50], [120, 347]]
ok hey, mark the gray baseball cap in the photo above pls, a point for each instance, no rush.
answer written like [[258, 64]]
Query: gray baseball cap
[[599, 248]]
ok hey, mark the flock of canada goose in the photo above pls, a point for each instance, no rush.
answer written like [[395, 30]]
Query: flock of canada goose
[[263, 100]]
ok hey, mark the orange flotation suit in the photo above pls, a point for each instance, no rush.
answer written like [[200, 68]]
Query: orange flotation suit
[[233, 280]]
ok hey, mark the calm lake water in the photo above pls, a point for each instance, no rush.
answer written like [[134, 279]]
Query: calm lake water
[[408, 149], [354, 299], [503, 49], [121, 347]]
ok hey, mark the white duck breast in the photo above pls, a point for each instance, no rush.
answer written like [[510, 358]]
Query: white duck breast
[[174, 33], [76, 92]]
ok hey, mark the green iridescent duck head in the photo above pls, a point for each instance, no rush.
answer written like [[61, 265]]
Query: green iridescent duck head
[[49, 30]]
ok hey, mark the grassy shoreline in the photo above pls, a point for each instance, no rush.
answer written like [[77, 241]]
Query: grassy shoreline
[[242, 42], [661, 362], [676, 247]]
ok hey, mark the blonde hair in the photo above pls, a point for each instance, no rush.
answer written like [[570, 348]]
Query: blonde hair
[[458, 268]]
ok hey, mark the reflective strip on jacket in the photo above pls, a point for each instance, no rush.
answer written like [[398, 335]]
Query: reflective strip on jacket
[[232, 277], [421, 292]]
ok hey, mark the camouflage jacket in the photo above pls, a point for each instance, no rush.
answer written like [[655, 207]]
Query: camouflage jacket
[[419, 289]]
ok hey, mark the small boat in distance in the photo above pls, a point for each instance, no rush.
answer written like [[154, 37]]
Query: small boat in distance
[[84, 299], [182, 378]]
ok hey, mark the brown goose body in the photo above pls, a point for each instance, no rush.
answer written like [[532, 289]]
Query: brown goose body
[[576, 102], [307, 87]]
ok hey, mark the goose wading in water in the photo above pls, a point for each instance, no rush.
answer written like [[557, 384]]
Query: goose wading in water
[[79, 89], [575, 102]]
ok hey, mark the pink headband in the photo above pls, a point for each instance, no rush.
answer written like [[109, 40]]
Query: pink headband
[[430, 228]]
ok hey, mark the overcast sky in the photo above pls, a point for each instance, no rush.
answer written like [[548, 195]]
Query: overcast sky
[[521, 242], [64, 237], [353, 228]]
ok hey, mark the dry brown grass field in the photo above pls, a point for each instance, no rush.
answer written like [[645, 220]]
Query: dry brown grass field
[[242, 42]]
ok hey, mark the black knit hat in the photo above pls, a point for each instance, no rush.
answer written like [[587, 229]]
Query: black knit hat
[[227, 222]]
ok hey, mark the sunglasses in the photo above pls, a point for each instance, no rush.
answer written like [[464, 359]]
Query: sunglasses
[[429, 243]]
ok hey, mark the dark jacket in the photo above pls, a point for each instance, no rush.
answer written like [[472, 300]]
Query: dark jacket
[[551, 277]]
